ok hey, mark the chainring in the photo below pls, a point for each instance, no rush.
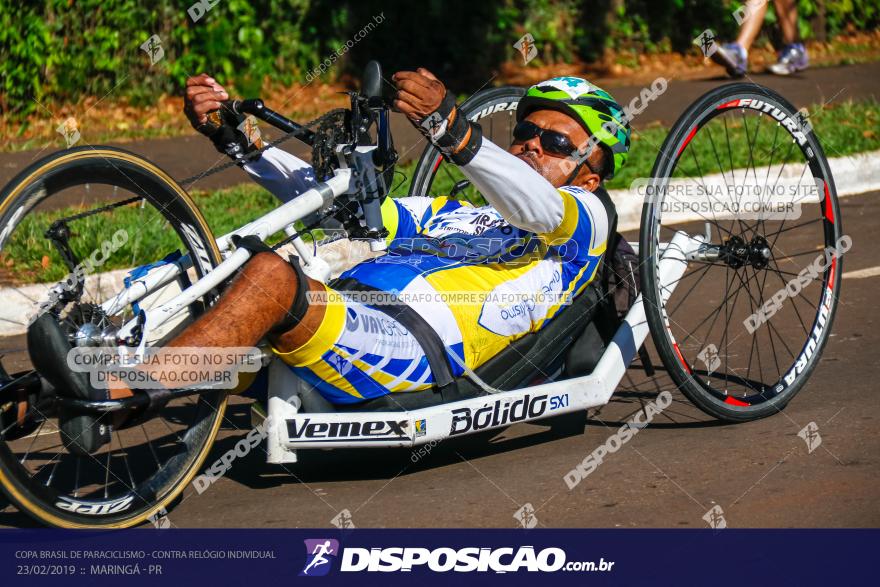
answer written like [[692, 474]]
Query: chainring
[[334, 129]]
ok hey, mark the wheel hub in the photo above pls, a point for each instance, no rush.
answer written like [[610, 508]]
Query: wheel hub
[[737, 253]]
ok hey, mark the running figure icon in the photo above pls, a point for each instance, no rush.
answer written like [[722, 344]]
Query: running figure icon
[[319, 555]]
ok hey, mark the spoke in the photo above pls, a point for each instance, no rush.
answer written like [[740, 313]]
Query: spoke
[[52, 472], [107, 475], [704, 320], [801, 320], [690, 291], [718, 312], [782, 224], [152, 450], [36, 435], [717, 158], [801, 254], [727, 334], [686, 275], [781, 272], [726, 339], [769, 166], [769, 331], [754, 334], [782, 340], [750, 165], [729, 150], [794, 227], [76, 477], [124, 452], [707, 192], [25, 296], [702, 179]]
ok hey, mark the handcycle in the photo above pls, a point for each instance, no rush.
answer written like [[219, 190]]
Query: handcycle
[[701, 273]]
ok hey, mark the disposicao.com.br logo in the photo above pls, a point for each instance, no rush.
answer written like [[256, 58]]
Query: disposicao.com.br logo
[[445, 559], [320, 553]]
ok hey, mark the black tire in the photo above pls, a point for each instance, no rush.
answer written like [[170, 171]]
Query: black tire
[[734, 394], [495, 110], [95, 175]]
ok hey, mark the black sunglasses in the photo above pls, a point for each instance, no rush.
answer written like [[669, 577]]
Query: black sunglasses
[[551, 141]]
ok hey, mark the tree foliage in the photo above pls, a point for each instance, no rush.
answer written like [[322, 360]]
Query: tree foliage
[[67, 49]]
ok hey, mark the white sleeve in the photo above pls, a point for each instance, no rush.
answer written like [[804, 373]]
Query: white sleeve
[[522, 196], [282, 173]]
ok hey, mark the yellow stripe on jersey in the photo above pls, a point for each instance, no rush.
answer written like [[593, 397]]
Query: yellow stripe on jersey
[[390, 218], [551, 312], [480, 344], [570, 219], [323, 338], [327, 373]]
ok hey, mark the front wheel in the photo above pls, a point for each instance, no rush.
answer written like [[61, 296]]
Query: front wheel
[[742, 329], [95, 194]]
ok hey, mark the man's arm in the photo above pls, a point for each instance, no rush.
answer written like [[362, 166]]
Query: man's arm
[[285, 175], [518, 192], [522, 196]]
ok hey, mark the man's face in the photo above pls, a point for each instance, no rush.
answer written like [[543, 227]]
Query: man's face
[[554, 167]]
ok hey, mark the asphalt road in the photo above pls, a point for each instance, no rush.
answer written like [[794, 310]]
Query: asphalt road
[[671, 474]]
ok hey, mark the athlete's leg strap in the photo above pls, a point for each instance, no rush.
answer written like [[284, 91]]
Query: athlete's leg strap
[[300, 303], [428, 339]]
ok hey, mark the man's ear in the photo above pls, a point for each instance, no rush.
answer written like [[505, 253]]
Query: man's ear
[[587, 179]]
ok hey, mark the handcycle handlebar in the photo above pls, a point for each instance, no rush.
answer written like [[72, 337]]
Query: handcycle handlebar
[[255, 107]]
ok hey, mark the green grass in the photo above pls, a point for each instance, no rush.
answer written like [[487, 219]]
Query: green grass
[[28, 256], [843, 129]]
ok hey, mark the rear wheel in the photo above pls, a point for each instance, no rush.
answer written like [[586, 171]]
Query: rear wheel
[[98, 191], [745, 325]]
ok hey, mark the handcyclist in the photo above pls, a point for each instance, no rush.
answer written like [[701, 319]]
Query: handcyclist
[[544, 231]]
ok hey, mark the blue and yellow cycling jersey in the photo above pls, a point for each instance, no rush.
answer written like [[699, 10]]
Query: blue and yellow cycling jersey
[[480, 283]]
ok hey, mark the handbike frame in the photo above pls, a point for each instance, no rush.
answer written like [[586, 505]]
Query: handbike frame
[[288, 428]]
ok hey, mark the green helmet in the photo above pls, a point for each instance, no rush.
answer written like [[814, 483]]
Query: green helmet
[[594, 108]]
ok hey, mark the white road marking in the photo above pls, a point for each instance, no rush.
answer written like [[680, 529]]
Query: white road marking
[[863, 273]]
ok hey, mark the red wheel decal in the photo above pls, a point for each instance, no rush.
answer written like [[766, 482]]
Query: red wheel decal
[[728, 104], [437, 164], [735, 402], [687, 140], [681, 357], [829, 209]]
